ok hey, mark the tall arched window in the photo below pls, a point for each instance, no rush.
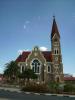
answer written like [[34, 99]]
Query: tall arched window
[[22, 68], [36, 66], [56, 51], [48, 68]]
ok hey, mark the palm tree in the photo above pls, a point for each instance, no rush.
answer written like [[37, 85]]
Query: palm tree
[[11, 70]]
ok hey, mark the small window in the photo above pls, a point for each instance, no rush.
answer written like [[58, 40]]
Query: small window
[[49, 68], [22, 68], [35, 48], [56, 51]]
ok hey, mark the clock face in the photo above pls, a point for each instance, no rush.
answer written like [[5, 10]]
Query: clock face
[[56, 58]]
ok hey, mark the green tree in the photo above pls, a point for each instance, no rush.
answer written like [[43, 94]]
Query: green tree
[[11, 70], [28, 74]]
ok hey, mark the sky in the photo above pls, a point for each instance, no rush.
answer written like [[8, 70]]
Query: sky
[[27, 23]]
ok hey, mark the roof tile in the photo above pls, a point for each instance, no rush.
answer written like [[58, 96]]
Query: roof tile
[[46, 54]]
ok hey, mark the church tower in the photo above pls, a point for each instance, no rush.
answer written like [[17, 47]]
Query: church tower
[[57, 66]]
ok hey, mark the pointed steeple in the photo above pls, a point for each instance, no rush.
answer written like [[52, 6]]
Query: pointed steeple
[[54, 28]]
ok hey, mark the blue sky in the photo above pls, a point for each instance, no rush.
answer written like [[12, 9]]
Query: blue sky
[[26, 23]]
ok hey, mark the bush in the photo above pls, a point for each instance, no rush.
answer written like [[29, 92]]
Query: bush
[[54, 87], [41, 88], [69, 88]]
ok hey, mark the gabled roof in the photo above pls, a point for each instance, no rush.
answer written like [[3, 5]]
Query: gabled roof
[[46, 54], [23, 56], [54, 29]]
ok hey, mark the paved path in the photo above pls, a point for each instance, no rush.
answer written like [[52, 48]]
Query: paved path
[[16, 94], [10, 89]]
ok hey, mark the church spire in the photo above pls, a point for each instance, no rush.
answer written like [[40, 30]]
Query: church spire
[[54, 28]]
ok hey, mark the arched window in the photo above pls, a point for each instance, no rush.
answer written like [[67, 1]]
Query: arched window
[[49, 69], [56, 51], [36, 66], [22, 68]]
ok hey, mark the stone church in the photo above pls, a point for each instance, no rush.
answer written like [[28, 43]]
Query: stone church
[[46, 64]]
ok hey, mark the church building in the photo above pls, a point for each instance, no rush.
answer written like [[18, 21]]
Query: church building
[[46, 64]]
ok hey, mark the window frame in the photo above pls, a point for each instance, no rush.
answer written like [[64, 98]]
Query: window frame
[[56, 51], [38, 66], [49, 66]]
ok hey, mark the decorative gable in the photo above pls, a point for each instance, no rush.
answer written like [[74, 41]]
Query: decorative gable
[[35, 54], [46, 54]]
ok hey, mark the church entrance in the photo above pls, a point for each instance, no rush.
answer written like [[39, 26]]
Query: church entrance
[[57, 79]]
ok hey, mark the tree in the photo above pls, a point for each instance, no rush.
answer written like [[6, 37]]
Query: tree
[[11, 70], [28, 74]]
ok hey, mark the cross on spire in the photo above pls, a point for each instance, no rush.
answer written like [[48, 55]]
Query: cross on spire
[[54, 28]]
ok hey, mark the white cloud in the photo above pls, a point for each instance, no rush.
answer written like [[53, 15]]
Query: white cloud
[[26, 23], [20, 51], [26, 50], [43, 48]]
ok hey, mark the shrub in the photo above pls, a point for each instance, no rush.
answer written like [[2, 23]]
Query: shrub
[[54, 87], [41, 88], [69, 88]]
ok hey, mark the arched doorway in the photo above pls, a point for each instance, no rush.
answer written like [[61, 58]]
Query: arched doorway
[[57, 79]]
